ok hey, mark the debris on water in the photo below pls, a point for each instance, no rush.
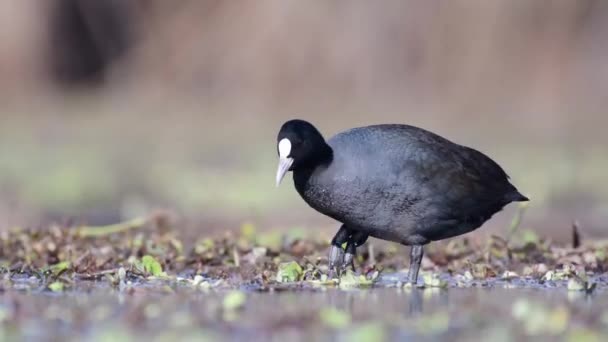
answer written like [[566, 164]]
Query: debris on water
[[151, 266], [350, 279], [434, 280], [122, 274], [550, 275], [324, 281], [575, 285], [508, 275], [198, 279], [482, 271], [289, 272], [256, 254], [581, 283], [269, 259], [58, 268]]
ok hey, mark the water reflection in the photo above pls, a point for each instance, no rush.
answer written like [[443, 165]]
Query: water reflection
[[396, 312], [404, 302]]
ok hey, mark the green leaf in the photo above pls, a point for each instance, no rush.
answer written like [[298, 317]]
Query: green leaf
[[334, 318], [60, 267], [289, 272], [234, 300], [350, 279], [95, 231], [152, 266], [56, 286]]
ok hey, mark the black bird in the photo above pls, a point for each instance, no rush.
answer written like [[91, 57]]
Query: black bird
[[393, 182]]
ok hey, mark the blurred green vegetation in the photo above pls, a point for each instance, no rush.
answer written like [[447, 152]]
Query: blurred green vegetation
[[73, 176], [125, 161]]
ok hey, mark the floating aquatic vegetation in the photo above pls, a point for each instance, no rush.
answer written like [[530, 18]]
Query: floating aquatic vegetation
[[434, 280], [289, 272], [350, 279], [151, 266]]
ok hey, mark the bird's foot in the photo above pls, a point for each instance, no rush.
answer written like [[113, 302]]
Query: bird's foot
[[336, 260], [412, 277], [416, 253], [349, 262]]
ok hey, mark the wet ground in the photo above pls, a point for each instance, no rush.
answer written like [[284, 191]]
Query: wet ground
[[163, 310], [143, 280]]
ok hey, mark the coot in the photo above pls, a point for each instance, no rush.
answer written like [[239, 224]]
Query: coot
[[393, 182]]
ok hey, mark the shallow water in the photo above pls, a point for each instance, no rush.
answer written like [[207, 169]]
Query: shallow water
[[159, 310]]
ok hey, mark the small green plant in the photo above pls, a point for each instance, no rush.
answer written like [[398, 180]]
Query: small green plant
[[152, 266], [289, 272]]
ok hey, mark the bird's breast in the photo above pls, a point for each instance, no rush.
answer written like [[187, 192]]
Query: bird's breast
[[352, 201]]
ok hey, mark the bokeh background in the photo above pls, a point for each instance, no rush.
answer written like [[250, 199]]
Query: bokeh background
[[112, 109]]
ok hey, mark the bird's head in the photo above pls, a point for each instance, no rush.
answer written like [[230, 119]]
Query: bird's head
[[299, 145]]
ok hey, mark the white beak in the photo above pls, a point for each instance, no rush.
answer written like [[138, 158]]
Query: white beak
[[284, 165]]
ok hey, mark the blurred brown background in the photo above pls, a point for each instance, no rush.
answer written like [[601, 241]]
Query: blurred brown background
[[113, 108]]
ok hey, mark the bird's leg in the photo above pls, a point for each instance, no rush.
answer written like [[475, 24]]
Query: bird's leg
[[349, 256], [336, 253], [355, 240], [415, 260]]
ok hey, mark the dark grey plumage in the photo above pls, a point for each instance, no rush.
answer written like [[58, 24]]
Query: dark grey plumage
[[397, 182]]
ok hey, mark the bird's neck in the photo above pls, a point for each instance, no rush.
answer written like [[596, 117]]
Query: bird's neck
[[304, 171], [322, 158]]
